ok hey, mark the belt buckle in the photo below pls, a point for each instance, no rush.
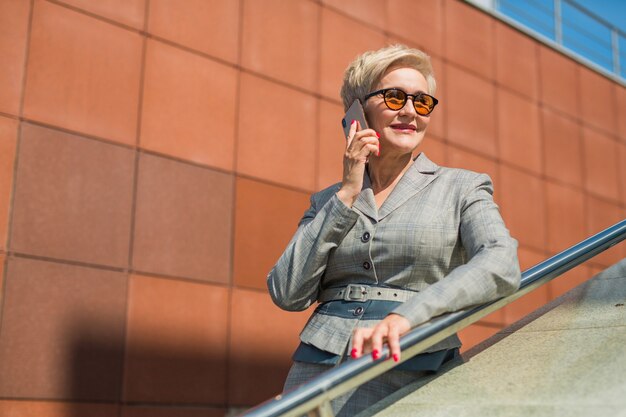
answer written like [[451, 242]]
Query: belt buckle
[[355, 292]]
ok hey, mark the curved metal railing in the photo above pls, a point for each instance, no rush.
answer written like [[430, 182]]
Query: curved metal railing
[[317, 393]]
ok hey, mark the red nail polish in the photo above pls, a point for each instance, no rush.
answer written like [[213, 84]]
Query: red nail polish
[[353, 122], [353, 353], [377, 135], [375, 354], [396, 358]]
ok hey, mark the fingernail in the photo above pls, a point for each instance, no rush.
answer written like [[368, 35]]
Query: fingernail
[[377, 135], [353, 122], [353, 353], [375, 354], [396, 358]]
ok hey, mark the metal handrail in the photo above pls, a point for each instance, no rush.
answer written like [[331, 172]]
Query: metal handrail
[[318, 392]]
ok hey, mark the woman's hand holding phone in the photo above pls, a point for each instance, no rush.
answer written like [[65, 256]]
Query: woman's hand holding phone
[[360, 145]]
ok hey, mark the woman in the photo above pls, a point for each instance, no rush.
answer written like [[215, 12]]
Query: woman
[[400, 240]]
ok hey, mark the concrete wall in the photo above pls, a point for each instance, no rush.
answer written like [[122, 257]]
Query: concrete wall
[[155, 157]]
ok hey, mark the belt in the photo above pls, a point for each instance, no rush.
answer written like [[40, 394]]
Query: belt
[[362, 293]]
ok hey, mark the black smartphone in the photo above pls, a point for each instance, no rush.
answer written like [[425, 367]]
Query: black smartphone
[[355, 112]]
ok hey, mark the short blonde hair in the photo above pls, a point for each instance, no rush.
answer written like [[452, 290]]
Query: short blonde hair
[[367, 69]]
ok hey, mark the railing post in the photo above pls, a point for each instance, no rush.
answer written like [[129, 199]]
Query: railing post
[[558, 24], [324, 410], [615, 50]]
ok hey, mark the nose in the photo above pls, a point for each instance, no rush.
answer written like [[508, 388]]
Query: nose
[[409, 107]]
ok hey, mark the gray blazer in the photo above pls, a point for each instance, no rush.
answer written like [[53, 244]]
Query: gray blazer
[[439, 233]]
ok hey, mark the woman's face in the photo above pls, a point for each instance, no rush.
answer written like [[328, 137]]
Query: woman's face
[[401, 131]]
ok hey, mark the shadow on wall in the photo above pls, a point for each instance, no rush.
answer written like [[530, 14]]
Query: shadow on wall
[[99, 370], [95, 364]]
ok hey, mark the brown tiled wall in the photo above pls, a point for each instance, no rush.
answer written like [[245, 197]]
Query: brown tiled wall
[[156, 155]]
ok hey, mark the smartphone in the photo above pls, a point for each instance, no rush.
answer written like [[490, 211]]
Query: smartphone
[[355, 112]]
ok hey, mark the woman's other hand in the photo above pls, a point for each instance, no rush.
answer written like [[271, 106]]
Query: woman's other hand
[[360, 144], [366, 340]]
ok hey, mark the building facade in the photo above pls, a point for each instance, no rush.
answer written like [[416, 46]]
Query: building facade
[[156, 156]]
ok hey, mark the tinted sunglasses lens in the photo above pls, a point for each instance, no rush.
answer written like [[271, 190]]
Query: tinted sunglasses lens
[[395, 99], [424, 104]]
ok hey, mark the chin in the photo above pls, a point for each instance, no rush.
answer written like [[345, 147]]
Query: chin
[[407, 142]]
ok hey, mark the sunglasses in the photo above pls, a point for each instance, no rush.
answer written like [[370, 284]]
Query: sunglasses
[[395, 99]]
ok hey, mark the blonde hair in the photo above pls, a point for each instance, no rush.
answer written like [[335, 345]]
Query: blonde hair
[[367, 69]]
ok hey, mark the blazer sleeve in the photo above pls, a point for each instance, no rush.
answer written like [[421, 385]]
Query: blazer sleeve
[[492, 270], [294, 281]]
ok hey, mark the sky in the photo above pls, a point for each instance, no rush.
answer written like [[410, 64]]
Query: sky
[[580, 32]]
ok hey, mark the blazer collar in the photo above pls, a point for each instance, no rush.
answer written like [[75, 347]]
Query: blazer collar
[[365, 201], [421, 173]]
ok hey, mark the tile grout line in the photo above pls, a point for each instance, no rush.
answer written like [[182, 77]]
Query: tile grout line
[[157, 275], [95, 16], [135, 186], [173, 405], [18, 142], [443, 21], [67, 400], [83, 135], [11, 116], [318, 104], [155, 404], [543, 177], [496, 100], [233, 219], [61, 261], [583, 166], [133, 214], [29, 31], [621, 185]]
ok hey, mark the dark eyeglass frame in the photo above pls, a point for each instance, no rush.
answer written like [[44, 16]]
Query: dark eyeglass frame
[[415, 98]]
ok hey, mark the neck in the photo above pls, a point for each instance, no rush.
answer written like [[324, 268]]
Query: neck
[[385, 171]]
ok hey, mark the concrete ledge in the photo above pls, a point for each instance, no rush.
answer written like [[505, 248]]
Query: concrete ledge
[[566, 359]]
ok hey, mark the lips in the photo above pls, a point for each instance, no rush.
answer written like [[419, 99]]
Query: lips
[[403, 126]]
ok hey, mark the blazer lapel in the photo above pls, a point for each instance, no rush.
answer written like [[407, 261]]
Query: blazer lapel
[[365, 202], [421, 173]]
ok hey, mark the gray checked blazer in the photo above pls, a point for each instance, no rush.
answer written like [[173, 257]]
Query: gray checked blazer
[[439, 233]]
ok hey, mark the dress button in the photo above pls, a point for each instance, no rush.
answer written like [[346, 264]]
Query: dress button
[[367, 265], [358, 311], [366, 237]]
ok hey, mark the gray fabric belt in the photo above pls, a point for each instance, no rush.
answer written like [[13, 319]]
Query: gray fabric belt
[[362, 293]]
